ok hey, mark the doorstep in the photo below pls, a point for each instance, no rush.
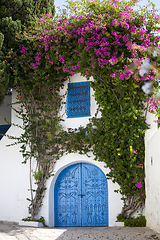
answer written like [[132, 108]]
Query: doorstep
[[119, 224], [31, 224]]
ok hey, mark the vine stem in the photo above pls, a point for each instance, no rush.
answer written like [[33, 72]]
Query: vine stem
[[36, 8], [117, 100], [31, 189]]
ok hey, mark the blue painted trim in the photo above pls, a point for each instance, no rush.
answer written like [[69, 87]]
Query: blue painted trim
[[3, 130], [81, 101]]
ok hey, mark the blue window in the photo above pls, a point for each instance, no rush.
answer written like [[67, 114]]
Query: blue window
[[78, 100], [3, 130]]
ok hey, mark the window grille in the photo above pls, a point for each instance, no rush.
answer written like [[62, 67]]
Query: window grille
[[78, 100]]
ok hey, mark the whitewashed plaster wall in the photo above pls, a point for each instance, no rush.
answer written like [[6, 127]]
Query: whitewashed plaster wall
[[76, 122], [14, 176], [152, 170], [114, 199], [114, 202]]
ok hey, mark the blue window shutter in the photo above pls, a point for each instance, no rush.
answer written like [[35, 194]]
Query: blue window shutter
[[78, 100], [3, 130]]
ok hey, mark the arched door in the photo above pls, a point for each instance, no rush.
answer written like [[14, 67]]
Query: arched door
[[81, 196]]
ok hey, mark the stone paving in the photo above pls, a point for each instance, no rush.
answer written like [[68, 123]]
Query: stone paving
[[11, 231]]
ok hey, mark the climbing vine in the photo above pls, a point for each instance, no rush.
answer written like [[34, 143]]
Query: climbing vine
[[107, 40]]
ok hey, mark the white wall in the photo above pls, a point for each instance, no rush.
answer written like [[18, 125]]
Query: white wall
[[14, 176], [76, 122], [114, 199], [114, 202], [152, 170]]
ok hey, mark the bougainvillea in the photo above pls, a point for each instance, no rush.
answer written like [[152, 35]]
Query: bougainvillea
[[107, 40]]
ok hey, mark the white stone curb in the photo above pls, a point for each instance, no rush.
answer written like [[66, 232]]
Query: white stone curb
[[31, 224], [119, 224]]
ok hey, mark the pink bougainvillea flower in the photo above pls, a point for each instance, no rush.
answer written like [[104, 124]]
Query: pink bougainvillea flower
[[18, 97], [139, 185], [112, 75], [34, 65]]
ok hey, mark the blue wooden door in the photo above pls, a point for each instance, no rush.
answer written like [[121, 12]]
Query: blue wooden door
[[81, 196]]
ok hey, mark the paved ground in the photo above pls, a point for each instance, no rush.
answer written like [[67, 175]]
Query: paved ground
[[12, 231]]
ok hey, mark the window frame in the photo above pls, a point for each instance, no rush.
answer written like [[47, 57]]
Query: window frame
[[67, 107]]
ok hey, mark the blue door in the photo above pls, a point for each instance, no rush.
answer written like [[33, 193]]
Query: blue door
[[81, 197]]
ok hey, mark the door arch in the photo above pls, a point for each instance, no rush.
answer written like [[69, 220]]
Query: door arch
[[81, 196]]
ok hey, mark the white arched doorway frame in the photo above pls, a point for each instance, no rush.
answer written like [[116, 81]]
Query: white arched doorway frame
[[87, 218], [114, 199]]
